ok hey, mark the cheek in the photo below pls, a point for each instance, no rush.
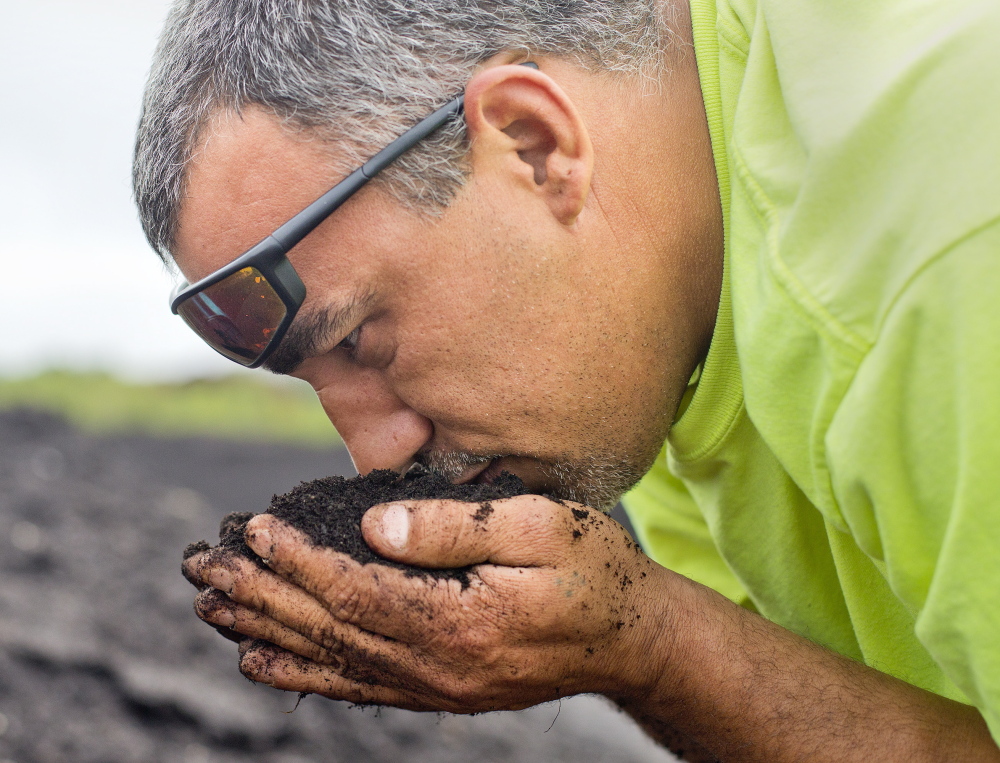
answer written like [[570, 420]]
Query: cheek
[[517, 360], [449, 377], [485, 383]]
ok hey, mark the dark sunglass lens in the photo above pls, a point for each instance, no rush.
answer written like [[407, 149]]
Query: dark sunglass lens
[[236, 316]]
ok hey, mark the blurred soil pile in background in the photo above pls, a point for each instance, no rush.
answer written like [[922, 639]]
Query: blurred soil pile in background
[[102, 659]]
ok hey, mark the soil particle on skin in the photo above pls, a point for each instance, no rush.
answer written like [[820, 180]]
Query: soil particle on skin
[[585, 520], [483, 512], [329, 511]]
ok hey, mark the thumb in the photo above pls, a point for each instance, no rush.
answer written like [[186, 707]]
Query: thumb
[[526, 531]]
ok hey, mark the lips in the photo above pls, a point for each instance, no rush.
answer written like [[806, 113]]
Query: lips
[[492, 470], [485, 473], [475, 473]]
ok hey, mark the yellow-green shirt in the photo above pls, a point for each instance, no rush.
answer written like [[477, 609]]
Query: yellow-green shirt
[[839, 462]]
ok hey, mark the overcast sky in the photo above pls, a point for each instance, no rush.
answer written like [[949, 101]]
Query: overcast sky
[[80, 286]]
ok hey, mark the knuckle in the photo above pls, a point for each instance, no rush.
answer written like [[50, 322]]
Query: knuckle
[[450, 543], [533, 514], [329, 657], [346, 602], [537, 506], [354, 693], [263, 599], [442, 524], [459, 536], [317, 628]]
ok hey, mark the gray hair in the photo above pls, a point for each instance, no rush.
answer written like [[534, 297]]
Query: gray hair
[[358, 73]]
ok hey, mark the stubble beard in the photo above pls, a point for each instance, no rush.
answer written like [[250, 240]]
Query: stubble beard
[[598, 482]]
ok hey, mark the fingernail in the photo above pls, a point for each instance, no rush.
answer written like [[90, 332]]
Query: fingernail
[[224, 617], [222, 579], [260, 541], [255, 665], [394, 525]]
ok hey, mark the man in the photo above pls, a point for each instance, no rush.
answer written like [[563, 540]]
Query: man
[[762, 232]]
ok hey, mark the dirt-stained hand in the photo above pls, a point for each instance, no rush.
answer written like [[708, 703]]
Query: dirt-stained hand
[[559, 601]]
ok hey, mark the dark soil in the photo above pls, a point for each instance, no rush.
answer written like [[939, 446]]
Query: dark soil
[[102, 659], [329, 511]]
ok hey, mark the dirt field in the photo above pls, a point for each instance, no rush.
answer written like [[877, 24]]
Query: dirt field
[[103, 661]]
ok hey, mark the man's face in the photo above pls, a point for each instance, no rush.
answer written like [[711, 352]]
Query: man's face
[[489, 338]]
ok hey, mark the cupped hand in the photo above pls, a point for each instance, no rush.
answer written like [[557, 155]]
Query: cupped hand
[[559, 601]]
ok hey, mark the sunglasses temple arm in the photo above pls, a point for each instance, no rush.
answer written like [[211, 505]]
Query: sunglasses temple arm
[[300, 226], [417, 133], [304, 223]]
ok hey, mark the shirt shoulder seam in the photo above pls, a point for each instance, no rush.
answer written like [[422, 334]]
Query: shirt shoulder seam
[[800, 296], [919, 272]]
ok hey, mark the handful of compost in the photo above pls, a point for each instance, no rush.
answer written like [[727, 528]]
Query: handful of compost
[[329, 511], [413, 592]]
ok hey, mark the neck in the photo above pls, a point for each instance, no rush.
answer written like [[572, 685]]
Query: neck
[[656, 188]]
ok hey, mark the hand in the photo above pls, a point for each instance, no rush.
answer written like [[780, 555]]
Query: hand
[[557, 598]]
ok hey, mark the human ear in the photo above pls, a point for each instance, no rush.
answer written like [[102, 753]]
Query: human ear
[[520, 121]]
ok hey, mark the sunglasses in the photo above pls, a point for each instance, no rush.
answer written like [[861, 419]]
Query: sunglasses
[[243, 310]]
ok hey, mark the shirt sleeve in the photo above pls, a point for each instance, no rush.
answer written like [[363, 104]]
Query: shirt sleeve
[[914, 452], [671, 529]]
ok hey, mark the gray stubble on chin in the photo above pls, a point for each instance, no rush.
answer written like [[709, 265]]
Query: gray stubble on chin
[[592, 482]]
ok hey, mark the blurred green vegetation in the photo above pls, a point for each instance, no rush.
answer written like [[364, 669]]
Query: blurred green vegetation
[[236, 407]]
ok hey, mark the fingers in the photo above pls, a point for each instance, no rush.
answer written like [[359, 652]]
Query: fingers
[[526, 531], [362, 678], [237, 622], [243, 581], [280, 602], [350, 651], [331, 600], [374, 597], [269, 664], [274, 666]]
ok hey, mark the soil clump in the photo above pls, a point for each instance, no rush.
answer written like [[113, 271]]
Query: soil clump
[[329, 512]]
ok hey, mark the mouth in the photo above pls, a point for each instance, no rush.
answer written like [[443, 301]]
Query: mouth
[[478, 474], [490, 472], [487, 472]]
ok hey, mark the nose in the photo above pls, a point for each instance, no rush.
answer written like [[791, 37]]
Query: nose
[[378, 428]]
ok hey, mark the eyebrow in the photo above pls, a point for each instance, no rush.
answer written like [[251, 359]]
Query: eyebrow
[[311, 332]]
